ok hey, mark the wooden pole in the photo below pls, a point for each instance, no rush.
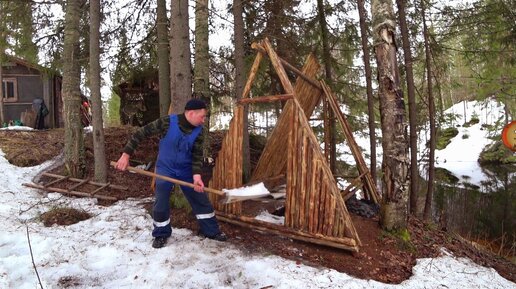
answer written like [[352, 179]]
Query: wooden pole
[[248, 222], [290, 67], [280, 70], [169, 179], [370, 192], [73, 193], [269, 98], [61, 178], [252, 74]]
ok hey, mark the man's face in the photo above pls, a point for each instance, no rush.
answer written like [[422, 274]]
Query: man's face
[[196, 117]]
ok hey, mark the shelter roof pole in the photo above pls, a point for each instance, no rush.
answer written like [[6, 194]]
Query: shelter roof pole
[[290, 67], [268, 98], [370, 190], [252, 73], [278, 67]]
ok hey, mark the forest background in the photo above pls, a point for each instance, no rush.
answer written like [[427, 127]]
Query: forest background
[[441, 53]]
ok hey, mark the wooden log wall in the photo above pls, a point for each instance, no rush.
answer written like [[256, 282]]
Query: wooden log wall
[[313, 202], [227, 173], [272, 161]]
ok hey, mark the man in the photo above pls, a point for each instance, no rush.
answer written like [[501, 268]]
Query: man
[[179, 157]]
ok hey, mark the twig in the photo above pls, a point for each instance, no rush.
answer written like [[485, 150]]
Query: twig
[[39, 203], [32, 257]]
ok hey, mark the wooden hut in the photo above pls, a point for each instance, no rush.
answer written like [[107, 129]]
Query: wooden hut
[[23, 83]]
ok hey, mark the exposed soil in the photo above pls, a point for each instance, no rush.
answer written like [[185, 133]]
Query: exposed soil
[[383, 257], [63, 216]]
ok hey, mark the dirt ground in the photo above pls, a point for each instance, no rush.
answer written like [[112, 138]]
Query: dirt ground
[[383, 257]]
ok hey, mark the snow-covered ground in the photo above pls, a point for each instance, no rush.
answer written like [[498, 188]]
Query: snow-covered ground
[[113, 250], [460, 157]]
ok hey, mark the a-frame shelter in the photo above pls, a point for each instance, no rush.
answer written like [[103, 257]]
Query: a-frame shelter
[[314, 207]]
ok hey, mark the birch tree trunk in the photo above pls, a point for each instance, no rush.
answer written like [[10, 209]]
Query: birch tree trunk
[[202, 63], [369, 87], [394, 204], [99, 150], [74, 139], [163, 57], [431, 117], [180, 65], [414, 171]]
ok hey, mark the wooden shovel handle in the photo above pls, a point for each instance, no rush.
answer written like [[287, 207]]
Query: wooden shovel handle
[[169, 179]]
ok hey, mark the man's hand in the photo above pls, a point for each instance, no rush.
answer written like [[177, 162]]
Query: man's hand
[[123, 162], [198, 184]]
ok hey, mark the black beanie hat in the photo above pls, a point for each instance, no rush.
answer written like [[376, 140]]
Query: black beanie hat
[[194, 104]]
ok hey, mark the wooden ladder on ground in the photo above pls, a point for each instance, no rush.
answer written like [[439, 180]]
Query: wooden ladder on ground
[[72, 190]]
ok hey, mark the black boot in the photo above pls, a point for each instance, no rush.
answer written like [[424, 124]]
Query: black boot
[[221, 237], [159, 242]]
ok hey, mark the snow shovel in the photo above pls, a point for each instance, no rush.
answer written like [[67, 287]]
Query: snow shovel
[[230, 196]]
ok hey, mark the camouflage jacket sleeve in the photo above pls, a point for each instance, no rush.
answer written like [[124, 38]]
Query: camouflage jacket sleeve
[[159, 126]]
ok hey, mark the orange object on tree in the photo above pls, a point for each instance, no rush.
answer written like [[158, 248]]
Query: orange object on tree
[[509, 135]]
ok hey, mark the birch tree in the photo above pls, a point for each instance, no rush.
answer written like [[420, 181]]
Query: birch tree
[[394, 204]]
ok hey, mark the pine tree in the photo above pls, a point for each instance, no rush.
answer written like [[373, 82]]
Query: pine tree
[[74, 140], [163, 57], [202, 63], [3, 45], [99, 150], [240, 79], [180, 65], [411, 91]]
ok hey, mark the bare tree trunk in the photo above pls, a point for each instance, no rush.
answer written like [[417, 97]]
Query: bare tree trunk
[[202, 63], [1, 87], [2, 57], [180, 65], [369, 87], [394, 207], [431, 116], [414, 171], [240, 80], [163, 58], [98, 124], [330, 116], [238, 31], [440, 93], [74, 139]]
